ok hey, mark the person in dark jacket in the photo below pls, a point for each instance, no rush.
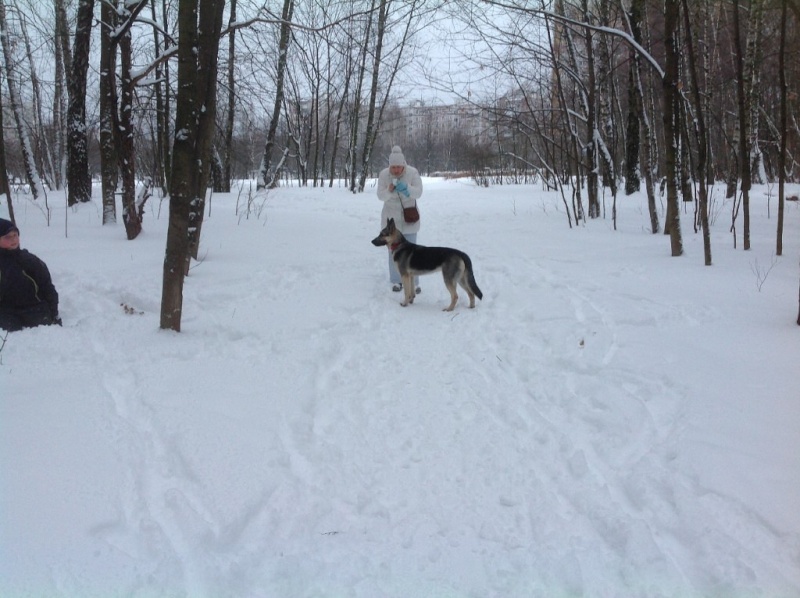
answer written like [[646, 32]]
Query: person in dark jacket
[[27, 295]]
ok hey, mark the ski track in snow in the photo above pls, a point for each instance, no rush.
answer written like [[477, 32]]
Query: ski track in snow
[[481, 462]]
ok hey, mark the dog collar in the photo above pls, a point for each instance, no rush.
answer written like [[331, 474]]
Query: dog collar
[[394, 246]]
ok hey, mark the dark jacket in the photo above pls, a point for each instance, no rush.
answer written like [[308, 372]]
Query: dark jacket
[[25, 282]]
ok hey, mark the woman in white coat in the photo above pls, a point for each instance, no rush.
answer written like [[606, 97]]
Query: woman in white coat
[[399, 186]]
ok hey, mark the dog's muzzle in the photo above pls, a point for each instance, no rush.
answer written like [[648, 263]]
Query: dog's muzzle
[[378, 241]]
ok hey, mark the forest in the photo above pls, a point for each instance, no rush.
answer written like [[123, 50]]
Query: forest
[[593, 98]]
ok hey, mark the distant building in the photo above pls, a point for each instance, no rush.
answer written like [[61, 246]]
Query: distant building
[[435, 123]]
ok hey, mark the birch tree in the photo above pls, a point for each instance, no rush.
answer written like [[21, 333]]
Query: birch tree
[[38, 127], [230, 120], [109, 168], [745, 54], [63, 61], [701, 133], [163, 96], [784, 95], [639, 126], [671, 99], [5, 188], [267, 173], [16, 104], [377, 105]]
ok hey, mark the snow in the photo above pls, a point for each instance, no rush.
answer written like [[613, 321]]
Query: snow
[[609, 421]]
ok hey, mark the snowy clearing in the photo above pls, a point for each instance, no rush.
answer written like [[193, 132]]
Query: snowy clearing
[[609, 421]]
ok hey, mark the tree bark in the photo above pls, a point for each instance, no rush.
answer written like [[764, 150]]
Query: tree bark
[[784, 131], [745, 175], [702, 136], [15, 101], [60, 99], [590, 148], [79, 180], [5, 188], [632, 140], [372, 125], [199, 26], [126, 151], [671, 130], [163, 104], [227, 174], [108, 113], [355, 105], [266, 178]]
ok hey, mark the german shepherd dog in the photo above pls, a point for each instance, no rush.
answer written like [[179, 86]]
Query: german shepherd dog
[[413, 260]]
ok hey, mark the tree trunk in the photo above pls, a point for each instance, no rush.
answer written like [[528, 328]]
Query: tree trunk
[[355, 106], [126, 153], [46, 163], [163, 104], [671, 129], [266, 178], [375, 114], [561, 35], [702, 136], [79, 180], [371, 127], [632, 140], [15, 101], [199, 26], [339, 117], [5, 188], [109, 170], [784, 131], [62, 67], [224, 185], [745, 175], [590, 147]]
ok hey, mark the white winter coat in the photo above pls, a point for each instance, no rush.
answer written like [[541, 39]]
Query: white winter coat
[[392, 206]]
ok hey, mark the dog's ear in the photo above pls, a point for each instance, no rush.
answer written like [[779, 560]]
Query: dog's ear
[[390, 224]]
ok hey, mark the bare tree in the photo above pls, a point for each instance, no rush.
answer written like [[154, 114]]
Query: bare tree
[[163, 96], [116, 113], [46, 162], [63, 60], [375, 111], [701, 133], [109, 165], [745, 56], [5, 188], [226, 175], [632, 140], [15, 101], [639, 125], [267, 176], [672, 99], [199, 26], [784, 130], [79, 181]]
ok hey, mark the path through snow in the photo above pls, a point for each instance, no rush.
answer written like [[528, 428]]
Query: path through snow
[[587, 430]]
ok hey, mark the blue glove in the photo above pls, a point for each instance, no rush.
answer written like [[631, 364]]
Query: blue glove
[[401, 187]]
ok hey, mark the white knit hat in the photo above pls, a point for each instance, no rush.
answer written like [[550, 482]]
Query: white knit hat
[[396, 158]]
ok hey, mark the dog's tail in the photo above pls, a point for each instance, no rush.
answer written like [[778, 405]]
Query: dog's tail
[[471, 278]]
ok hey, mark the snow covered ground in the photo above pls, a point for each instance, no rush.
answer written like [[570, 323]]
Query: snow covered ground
[[609, 421]]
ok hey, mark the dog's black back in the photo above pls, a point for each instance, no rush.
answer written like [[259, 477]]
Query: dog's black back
[[412, 260]]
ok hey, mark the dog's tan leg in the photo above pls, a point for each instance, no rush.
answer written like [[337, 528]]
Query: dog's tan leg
[[408, 290], [451, 286], [471, 299], [465, 285]]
